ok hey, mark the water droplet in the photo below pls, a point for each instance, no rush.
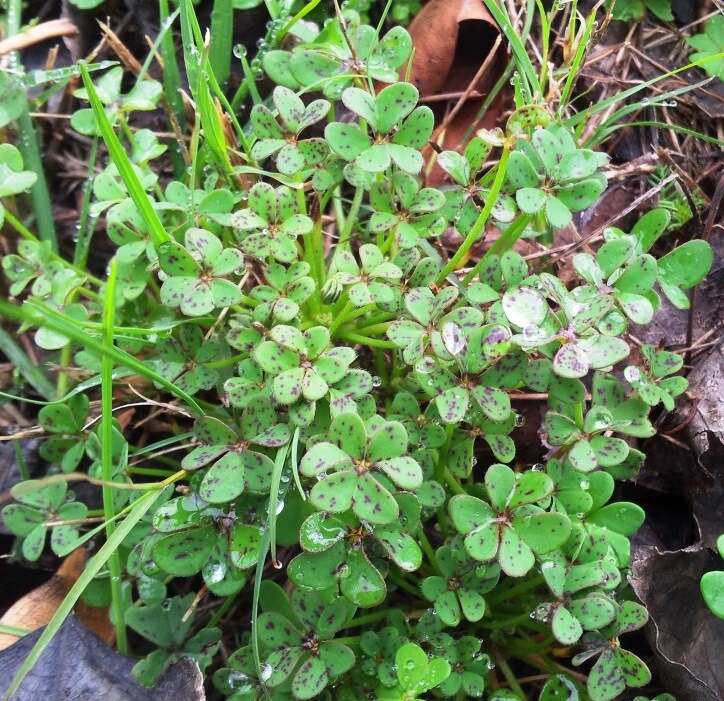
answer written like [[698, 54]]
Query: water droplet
[[239, 681], [239, 51], [265, 672], [280, 507], [277, 564], [519, 420], [538, 467], [585, 484], [321, 475], [166, 605], [547, 565], [376, 381], [474, 461], [215, 573]]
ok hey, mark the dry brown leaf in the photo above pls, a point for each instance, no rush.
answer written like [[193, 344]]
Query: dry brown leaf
[[37, 607], [452, 40]]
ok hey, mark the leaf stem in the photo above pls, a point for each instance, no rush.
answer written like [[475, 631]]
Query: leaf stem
[[478, 227], [114, 561]]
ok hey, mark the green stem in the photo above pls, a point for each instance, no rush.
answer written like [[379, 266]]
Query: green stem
[[403, 584], [517, 590], [222, 610], [351, 218], [365, 341], [505, 242], [454, 485], [428, 549], [5, 629], [375, 328], [369, 618], [479, 226], [504, 667], [85, 224], [29, 147], [109, 512]]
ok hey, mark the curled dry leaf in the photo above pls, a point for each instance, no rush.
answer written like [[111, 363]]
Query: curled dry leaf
[[37, 607], [77, 665], [452, 39], [706, 434], [687, 637]]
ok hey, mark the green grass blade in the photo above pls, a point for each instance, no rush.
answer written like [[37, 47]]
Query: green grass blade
[[37, 314], [33, 375], [120, 159], [522, 60], [577, 62], [85, 223], [222, 26], [94, 565], [114, 561], [605, 133], [603, 105], [266, 541], [28, 143]]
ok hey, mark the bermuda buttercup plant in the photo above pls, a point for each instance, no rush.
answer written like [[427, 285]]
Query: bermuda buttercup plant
[[339, 389]]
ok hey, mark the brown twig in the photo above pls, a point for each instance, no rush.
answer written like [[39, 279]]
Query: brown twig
[[40, 32]]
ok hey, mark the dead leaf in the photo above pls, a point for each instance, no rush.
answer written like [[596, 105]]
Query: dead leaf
[[687, 638], [77, 665], [37, 607], [706, 435], [452, 40]]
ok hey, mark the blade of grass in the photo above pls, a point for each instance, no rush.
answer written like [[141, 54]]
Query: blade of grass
[[658, 125], [35, 313], [85, 225], [266, 541], [479, 226], [522, 60], [120, 159], [222, 26], [503, 243], [578, 59], [93, 566], [114, 561], [28, 143], [619, 97], [33, 375], [619, 114]]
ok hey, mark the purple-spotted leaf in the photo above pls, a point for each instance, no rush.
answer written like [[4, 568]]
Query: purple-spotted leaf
[[468, 512], [183, 554], [565, 626], [310, 679], [515, 557], [543, 532], [224, 481], [602, 351], [500, 485], [404, 471], [372, 502], [393, 103], [524, 306], [323, 457], [363, 585], [494, 403], [348, 432], [571, 361], [346, 140], [334, 492]]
